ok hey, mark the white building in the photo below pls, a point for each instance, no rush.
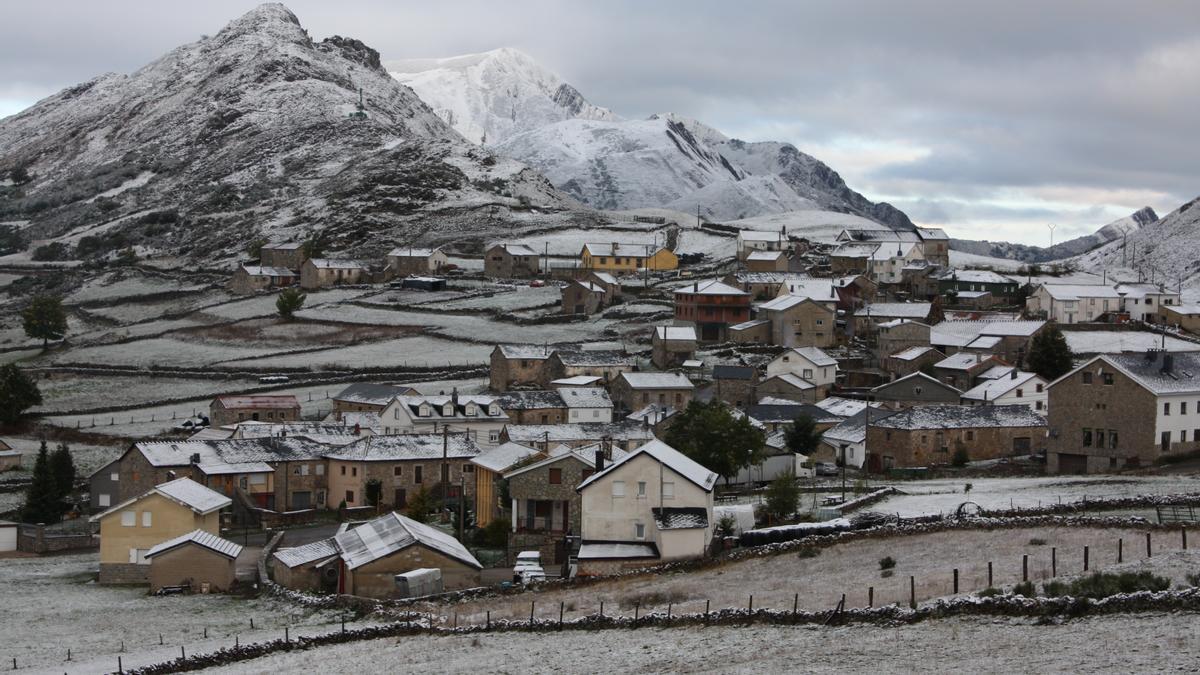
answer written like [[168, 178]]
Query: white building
[[1073, 303], [587, 404], [653, 505], [480, 415], [1015, 388], [749, 241], [808, 363]]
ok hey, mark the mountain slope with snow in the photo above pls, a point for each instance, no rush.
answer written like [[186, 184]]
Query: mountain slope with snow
[[1167, 250], [252, 132], [492, 96], [1072, 247]]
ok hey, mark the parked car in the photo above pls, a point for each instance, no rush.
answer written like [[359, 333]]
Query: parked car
[[537, 283], [193, 423], [826, 469], [527, 561], [531, 575]]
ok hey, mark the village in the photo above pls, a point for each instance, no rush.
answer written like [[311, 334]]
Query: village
[[460, 435]]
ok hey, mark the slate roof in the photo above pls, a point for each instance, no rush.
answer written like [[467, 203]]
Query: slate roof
[[500, 458], [657, 381], [935, 417], [965, 361], [371, 393], [385, 448], [183, 491], [283, 246], [786, 414], [308, 553], [590, 431], [675, 333], [260, 401], [912, 353], [201, 538], [585, 397], [990, 390], [596, 358], [789, 301], [530, 400], [932, 381], [709, 287], [901, 310], [338, 264], [814, 355], [994, 372], [853, 429], [976, 277], [843, 407], [409, 252], [527, 352], [516, 249], [792, 379], [723, 372], [261, 271], [669, 457], [623, 250], [680, 518], [388, 534], [747, 325], [1182, 378], [652, 413], [232, 451]]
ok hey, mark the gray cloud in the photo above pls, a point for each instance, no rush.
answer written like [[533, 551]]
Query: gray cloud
[[967, 114]]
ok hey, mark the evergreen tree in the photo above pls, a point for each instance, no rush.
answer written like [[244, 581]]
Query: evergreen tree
[[62, 468], [1049, 354], [45, 318], [315, 245], [254, 248], [41, 502], [936, 315], [18, 392], [803, 436], [289, 302], [712, 436], [783, 495], [420, 506]]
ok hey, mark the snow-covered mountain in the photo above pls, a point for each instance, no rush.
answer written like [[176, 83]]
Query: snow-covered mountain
[[1166, 250], [666, 160], [253, 131], [492, 96], [1072, 247]]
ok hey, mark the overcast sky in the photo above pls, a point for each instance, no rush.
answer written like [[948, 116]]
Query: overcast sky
[[991, 119]]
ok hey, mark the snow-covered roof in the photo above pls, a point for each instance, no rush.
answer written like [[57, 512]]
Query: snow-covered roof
[[501, 457], [853, 429], [596, 358], [283, 246], [1150, 370], [371, 393], [232, 451], [680, 518], [183, 491], [985, 342], [912, 353], [973, 295], [727, 372], [652, 413], [657, 381], [621, 250], [584, 454], [338, 264], [961, 333], [586, 285], [610, 550], [577, 381], [976, 277], [589, 431], [385, 448], [585, 397], [895, 310], [792, 379], [808, 287], [932, 233], [747, 325], [406, 252], [1119, 341], [1077, 291], [687, 333], [771, 256], [936, 417], [990, 390], [1141, 290], [999, 370], [535, 399], [669, 457], [843, 407], [788, 301], [709, 287], [201, 538], [515, 249], [1184, 310], [525, 351], [262, 271], [388, 534], [964, 361], [224, 469], [884, 234], [259, 401], [916, 376], [813, 355], [302, 555], [761, 235], [606, 278], [786, 414]]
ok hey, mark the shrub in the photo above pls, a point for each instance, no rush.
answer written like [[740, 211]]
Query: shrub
[[1024, 588], [1102, 584], [1193, 579], [726, 526], [809, 552], [52, 251], [960, 457], [988, 592], [887, 563], [1055, 589], [887, 574], [967, 488], [1037, 541]]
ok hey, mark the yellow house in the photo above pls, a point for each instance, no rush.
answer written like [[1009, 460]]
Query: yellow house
[[489, 466], [129, 530], [627, 258]]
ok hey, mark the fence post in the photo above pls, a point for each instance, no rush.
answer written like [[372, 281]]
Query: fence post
[[956, 581], [160, 640], [120, 667], [68, 653], [601, 609], [1053, 561], [870, 596], [636, 607], [1085, 558], [1183, 532], [1120, 552], [251, 623], [706, 610], [205, 635], [912, 591], [456, 621], [531, 603], [751, 602], [669, 607], [182, 652], [795, 605], [235, 640], [1025, 567], [1148, 545], [989, 574], [489, 620], [560, 614], [286, 637]]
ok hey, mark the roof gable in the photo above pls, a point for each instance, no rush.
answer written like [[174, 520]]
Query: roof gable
[[669, 457]]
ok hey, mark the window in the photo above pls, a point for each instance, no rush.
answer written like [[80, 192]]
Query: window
[[556, 476], [1020, 393], [1099, 438], [494, 435], [354, 471], [618, 488], [1087, 438], [1112, 438], [1167, 408], [114, 477], [1196, 435], [349, 496], [1039, 405], [595, 413], [470, 410], [320, 469], [417, 477], [970, 435], [397, 471], [641, 489], [259, 478], [639, 530], [343, 469], [1087, 377], [147, 518], [1041, 388], [1108, 378], [1183, 407], [468, 468], [668, 490], [808, 373], [1166, 441], [918, 390], [303, 469], [128, 518]]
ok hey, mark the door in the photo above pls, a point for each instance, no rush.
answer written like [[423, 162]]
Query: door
[[1072, 463], [8, 539], [301, 500], [400, 500], [1021, 445]]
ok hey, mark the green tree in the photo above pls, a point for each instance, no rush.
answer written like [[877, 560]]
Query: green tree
[[316, 244], [18, 393], [45, 318], [1049, 354], [420, 505], [42, 504], [289, 302], [803, 436], [712, 436], [254, 248], [935, 315], [11, 240], [62, 468], [20, 175], [783, 495]]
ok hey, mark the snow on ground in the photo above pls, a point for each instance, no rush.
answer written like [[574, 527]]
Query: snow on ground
[[408, 351], [88, 457], [484, 330], [51, 604], [135, 182], [264, 305], [820, 226], [133, 312], [713, 246], [65, 392], [1115, 341], [961, 259], [167, 352], [509, 299], [929, 497], [1168, 642], [101, 289]]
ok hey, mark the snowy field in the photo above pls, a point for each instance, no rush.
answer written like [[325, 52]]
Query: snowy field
[[713, 246], [51, 605], [819, 226], [928, 497], [408, 351], [88, 457], [1114, 341], [111, 288], [464, 327], [952, 646], [66, 391], [168, 352], [963, 259]]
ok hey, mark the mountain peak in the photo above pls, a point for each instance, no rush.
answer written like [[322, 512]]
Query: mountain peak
[[1144, 216]]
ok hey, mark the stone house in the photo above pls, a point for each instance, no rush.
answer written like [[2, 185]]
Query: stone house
[[634, 390], [798, 321], [583, 297], [249, 279], [533, 406], [653, 505], [1007, 339], [915, 390], [780, 417], [231, 409], [605, 364], [610, 284], [324, 272], [754, 331], [511, 261], [373, 553], [927, 435], [199, 560], [935, 245], [672, 345], [1016, 388], [313, 567], [403, 465], [367, 397], [490, 466], [129, 530], [963, 369], [519, 365], [591, 405], [1119, 411], [750, 242], [911, 360], [735, 385], [407, 261], [957, 282], [9, 459], [900, 334], [767, 261], [867, 318], [789, 386], [289, 255], [1184, 317]]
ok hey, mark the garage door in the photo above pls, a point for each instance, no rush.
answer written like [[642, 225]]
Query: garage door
[[1069, 463], [8, 539]]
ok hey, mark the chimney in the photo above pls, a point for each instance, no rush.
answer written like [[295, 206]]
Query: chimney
[[599, 459], [1014, 373], [615, 246], [454, 397], [195, 458], [357, 429], [1167, 362], [695, 286]]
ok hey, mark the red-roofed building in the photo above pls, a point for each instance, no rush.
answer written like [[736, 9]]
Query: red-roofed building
[[712, 307], [261, 408]]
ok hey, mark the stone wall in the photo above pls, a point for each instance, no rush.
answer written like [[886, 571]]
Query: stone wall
[[124, 573]]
